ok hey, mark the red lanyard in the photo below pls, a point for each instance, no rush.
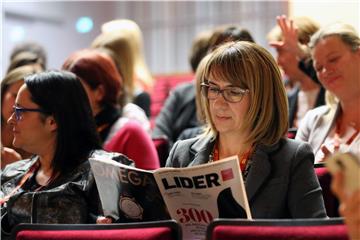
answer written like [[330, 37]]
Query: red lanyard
[[27, 175], [243, 159]]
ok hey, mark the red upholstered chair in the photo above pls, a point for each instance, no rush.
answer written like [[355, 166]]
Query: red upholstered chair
[[330, 200], [162, 87], [292, 133], [159, 230], [277, 229]]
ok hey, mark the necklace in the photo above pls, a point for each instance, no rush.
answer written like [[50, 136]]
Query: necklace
[[337, 138], [244, 158]]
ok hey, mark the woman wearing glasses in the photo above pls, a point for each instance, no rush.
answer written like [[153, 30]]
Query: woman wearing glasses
[[51, 119], [245, 107]]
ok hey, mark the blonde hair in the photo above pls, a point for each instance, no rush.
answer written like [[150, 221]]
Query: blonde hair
[[252, 67], [124, 39], [19, 73], [306, 28], [16, 75]]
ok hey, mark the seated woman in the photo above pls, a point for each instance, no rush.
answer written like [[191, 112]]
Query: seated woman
[[245, 106], [103, 85], [336, 126], [51, 119], [123, 39]]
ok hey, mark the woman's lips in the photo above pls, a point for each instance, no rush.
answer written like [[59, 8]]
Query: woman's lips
[[331, 80]]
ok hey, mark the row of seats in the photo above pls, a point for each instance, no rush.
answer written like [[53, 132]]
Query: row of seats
[[270, 229]]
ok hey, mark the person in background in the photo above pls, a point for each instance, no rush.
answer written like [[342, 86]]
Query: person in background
[[26, 53], [103, 84], [52, 119], [124, 41], [349, 205], [179, 111], [238, 80], [335, 50], [10, 86], [290, 39]]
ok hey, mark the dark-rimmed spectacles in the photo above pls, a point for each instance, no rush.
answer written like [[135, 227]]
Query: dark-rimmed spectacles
[[230, 94], [19, 110]]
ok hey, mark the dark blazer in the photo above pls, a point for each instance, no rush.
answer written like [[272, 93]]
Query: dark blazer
[[281, 182], [177, 114], [293, 103]]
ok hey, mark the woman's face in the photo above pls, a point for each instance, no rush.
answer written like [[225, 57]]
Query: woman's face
[[227, 117], [32, 133], [95, 96], [8, 100], [337, 67]]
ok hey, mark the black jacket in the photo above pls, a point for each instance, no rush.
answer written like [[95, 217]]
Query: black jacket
[[177, 114]]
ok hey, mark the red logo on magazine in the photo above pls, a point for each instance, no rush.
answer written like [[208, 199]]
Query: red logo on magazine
[[227, 174]]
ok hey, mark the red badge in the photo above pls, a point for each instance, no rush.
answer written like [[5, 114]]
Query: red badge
[[227, 174]]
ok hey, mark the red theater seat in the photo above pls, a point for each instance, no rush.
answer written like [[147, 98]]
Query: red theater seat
[[330, 200], [277, 229], [159, 230], [162, 87]]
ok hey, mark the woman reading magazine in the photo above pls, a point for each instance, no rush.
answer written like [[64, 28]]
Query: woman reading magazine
[[245, 107]]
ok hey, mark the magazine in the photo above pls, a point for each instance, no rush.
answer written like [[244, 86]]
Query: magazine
[[193, 196]]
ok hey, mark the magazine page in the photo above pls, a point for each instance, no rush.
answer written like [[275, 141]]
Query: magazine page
[[196, 195], [128, 194]]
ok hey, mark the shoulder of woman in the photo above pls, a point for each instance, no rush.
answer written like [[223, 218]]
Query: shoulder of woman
[[16, 168], [317, 112]]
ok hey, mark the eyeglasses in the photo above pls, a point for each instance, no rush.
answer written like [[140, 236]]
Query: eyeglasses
[[230, 94], [19, 110]]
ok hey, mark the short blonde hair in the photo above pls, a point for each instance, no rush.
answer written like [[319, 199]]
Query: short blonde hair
[[345, 32], [252, 67]]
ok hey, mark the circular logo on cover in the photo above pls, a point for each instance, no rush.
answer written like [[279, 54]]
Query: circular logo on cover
[[131, 208]]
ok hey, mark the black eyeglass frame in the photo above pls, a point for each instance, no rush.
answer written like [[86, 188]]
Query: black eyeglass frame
[[222, 92], [19, 110]]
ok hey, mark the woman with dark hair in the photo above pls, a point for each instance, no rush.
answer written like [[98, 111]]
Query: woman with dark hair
[[52, 119], [10, 86], [103, 84]]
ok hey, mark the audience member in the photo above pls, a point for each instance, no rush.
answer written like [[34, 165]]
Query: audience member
[[27, 53], [103, 85], [238, 81], [10, 85], [179, 110], [124, 41], [290, 39], [181, 107], [51, 119], [335, 51], [350, 205]]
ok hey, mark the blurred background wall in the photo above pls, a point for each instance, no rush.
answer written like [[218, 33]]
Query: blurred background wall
[[168, 26]]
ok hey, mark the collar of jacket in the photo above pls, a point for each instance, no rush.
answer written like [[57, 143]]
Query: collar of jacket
[[260, 168]]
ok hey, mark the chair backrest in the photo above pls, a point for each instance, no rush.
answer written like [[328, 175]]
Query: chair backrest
[[158, 230], [279, 229], [330, 200], [162, 87], [162, 149]]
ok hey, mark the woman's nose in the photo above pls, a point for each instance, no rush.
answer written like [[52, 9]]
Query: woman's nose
[[11, 120]]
